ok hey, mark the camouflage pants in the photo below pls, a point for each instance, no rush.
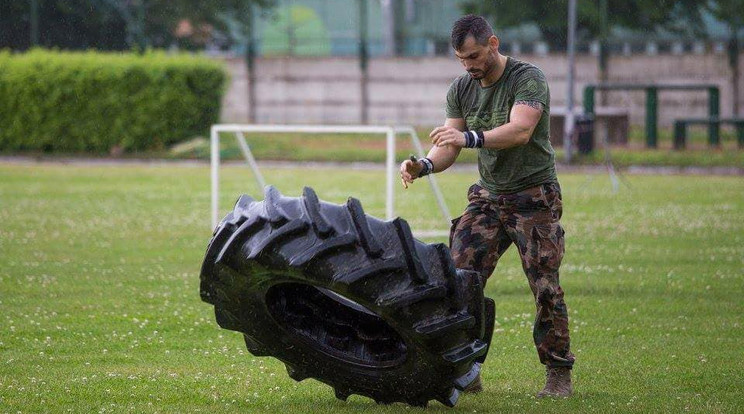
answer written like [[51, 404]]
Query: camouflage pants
[[530, 220]]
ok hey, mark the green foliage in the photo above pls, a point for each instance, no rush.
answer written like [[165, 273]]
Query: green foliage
[[67, 24], [551, 17], [156, 20], [114, 24], [729, 11], [93, 102], [732, 13], [296, 31]]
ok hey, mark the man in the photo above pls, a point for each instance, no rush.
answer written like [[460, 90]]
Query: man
[[500, 108]]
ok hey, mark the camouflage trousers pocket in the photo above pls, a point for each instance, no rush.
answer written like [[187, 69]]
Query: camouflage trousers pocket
[[455, 221]]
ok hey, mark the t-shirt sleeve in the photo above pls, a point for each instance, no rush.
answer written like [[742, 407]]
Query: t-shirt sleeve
[[532, 87], [453, 102]]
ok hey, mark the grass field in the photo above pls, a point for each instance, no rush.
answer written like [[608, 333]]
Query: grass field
[[298, 147], [100, 311], [351, 148]]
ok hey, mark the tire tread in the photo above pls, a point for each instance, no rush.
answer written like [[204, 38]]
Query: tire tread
[[413, 286], [368, 241]]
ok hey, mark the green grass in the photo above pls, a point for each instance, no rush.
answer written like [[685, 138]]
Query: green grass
[[626, 157], [697, 136], [100, 312], [697, 154], [371, 148]]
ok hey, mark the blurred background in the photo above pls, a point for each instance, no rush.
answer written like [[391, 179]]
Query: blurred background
[[105, 115], [390, 62]]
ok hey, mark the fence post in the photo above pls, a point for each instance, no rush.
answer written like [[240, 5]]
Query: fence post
[[651, 116], [714, 111], [589, 99], [680, 134]]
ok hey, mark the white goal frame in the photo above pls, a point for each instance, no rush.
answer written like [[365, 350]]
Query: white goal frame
[[391, 165]]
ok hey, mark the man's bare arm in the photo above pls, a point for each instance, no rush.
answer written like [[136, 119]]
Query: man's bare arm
[[523, 119], [442, 157]]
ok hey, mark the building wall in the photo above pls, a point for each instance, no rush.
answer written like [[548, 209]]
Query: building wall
[[412, 90]]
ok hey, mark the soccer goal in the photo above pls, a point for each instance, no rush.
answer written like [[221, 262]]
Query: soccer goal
[[391, 166]]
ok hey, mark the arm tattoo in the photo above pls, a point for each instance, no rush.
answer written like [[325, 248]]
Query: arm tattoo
[[535, 104]]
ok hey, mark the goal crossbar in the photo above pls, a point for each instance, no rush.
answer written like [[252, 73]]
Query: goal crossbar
[[390, 162]]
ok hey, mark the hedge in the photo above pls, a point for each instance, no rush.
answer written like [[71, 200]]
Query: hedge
[[94, 102]]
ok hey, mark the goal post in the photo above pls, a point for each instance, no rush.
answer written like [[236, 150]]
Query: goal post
[[391, 166]]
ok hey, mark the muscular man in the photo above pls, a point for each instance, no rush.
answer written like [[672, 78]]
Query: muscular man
[[500, 108]]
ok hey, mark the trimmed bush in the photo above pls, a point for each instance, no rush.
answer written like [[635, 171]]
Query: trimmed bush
[[93, 102]]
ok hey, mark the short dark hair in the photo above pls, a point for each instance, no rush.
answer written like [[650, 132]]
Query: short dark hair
[[470, 25]]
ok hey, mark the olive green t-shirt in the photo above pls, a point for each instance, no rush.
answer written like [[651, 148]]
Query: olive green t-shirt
[[505, 171]]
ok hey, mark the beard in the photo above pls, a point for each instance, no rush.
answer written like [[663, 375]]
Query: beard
[[488, 67], [476, 74]]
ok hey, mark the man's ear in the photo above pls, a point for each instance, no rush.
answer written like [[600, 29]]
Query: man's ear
[[493, 43]]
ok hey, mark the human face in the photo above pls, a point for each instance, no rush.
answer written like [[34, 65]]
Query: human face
[[479, 60]]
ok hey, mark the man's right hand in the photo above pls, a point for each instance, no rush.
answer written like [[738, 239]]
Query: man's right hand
[[409, 171]]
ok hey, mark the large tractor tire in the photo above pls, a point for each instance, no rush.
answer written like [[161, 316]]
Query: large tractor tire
[[347, 299]]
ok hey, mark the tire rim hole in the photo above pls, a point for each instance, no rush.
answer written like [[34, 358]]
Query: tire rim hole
[[335, 325]]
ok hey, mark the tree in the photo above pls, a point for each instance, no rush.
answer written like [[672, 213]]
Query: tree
[[155, 21], [594, 19], [113, 24], [731, 12], [551, 17], [66, 24]]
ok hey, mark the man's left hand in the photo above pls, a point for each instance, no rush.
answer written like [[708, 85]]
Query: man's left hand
[[447, 135]]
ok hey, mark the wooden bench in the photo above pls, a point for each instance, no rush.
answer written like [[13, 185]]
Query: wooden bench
[[613, 120], [680, 130]]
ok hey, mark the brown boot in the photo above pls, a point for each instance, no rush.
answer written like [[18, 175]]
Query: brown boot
[[558, 383], [475, 387]]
